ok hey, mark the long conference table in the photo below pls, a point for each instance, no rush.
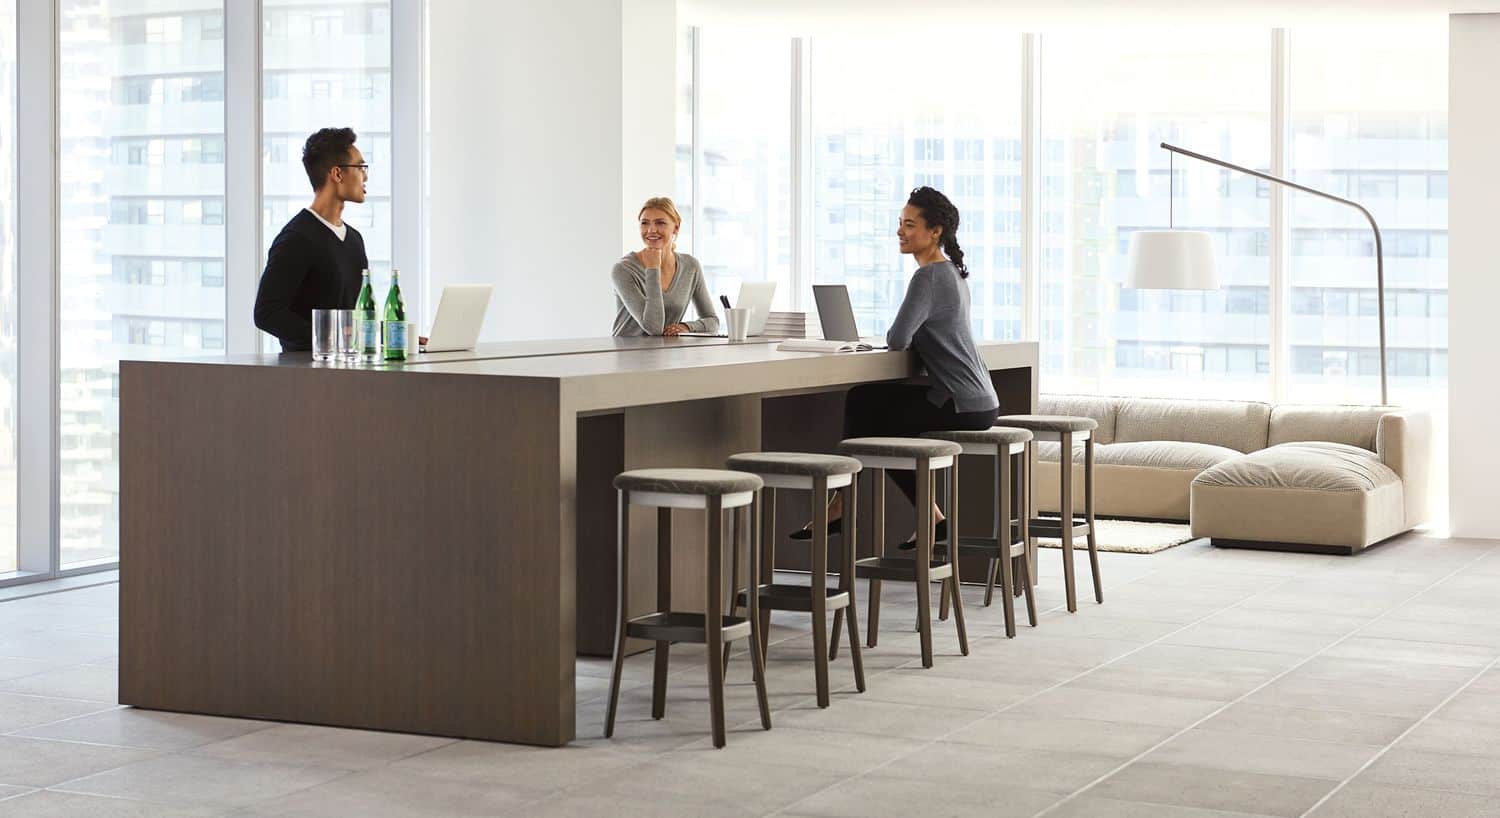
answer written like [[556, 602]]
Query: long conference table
[[426, 547]]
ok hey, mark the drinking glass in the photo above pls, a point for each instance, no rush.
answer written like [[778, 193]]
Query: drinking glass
[[324, 332], [346, 342]]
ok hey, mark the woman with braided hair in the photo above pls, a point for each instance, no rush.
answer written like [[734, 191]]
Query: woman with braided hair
[[933, 322]]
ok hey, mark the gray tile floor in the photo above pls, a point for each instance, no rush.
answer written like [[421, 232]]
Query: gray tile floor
[[1211, 683]]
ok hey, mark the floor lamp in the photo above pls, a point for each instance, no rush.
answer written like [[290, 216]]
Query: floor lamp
[[1184, 259]]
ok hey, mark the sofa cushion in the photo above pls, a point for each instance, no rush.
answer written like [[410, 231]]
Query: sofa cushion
[[1102, 410], [1238, 425], [1350, 425], [1147, 454], [1329, 467]]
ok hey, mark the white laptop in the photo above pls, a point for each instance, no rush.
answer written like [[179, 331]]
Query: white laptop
[[757, 296], [460, 316]]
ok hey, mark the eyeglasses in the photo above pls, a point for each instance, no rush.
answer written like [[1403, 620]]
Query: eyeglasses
[[365, 169]]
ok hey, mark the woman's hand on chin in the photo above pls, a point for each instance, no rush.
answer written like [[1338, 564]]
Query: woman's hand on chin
[[650, 258]]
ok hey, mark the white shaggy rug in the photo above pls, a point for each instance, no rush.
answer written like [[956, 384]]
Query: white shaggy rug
[[1130, 537]]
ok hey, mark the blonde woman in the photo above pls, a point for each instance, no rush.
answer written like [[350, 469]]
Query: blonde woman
[[654, 284]]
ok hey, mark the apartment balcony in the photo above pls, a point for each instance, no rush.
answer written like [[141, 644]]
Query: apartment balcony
[[154, 59], [335, 53], [178, 118], [191, 302], [1364, 331], [301, 116], [166, 240], [171, 179]]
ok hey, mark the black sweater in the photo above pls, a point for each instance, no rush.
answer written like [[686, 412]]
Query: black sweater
[[307, 268]]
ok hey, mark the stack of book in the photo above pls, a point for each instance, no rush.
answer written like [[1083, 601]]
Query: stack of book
[[787, 324]]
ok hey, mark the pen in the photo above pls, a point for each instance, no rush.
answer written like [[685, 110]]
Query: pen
[[724, 299]]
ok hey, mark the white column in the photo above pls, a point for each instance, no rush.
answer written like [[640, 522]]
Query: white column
[[1473, 274], [527, 168], [36, 286], [648, 106], [243, 245]]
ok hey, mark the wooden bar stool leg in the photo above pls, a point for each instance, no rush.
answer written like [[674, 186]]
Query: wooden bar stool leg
[[819, 590], [622, 611], [767, 561], [663, 603], [851, 508], [945, 600], [877, 534], [713, 618], [1030, 512], [737, 523], [1065, 518], [925, 533], [954, 579], [846, 537], [1021, 502], [1002, 467], [1003, 541], [1030, 588], [1088, 516], [757, 657]]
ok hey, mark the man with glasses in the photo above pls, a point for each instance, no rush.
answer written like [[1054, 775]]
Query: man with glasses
[[316, 260]]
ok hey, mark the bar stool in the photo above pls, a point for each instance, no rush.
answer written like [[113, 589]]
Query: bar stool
[[716, 492], [818, 474], [1005, 549], [924, 457], [1069, 431]]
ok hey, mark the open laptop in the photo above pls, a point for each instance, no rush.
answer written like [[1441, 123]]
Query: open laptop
[[757, 296], [460, 316], [836, 314]]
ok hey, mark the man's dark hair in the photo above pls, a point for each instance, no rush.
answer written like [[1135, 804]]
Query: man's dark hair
[[323, 150]]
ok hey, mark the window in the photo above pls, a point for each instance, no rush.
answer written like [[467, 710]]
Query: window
[[1371, 110], [298, 89], [9, 393], [104, 99], [745, 227], [1107, 103], [853, 82]]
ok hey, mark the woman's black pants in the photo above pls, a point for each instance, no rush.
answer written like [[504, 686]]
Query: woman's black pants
[[903, 410]]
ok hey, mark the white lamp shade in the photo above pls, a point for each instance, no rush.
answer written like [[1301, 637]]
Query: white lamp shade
[[1172, 260]]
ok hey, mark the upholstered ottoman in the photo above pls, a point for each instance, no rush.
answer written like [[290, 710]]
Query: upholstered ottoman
[[1324, 497]]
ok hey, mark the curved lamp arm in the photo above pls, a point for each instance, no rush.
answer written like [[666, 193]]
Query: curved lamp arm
[[1379, 256]]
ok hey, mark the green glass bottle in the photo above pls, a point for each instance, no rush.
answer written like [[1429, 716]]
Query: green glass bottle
[[395, 320], [366, 325]]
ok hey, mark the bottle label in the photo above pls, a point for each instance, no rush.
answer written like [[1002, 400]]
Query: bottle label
[[369, 335], [395, 336]]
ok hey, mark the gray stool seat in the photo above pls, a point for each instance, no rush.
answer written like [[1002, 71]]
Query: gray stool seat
[[708, 482], [798, 464], [1055, 424], [899, 447], [994, 436]]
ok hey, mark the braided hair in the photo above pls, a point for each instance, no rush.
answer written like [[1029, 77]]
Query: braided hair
[[938, 211]]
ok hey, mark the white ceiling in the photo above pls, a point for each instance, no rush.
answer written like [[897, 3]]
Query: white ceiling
[[807, 16]]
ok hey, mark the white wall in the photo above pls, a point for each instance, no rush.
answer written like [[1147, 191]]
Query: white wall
[[1473, 274], [527, 160], [648, 80]]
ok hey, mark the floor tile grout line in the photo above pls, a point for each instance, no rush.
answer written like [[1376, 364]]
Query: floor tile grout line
[[1279, 582], [1258, 687], [1404, 733], [907, 665]]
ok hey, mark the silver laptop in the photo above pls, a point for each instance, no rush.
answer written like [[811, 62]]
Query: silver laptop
[[460, 316], [836, 314], [757, 296]]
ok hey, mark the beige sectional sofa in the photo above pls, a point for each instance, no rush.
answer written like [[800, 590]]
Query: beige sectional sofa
[[1334, 478]]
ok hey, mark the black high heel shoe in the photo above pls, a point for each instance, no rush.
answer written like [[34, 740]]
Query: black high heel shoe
[[834, 527], [941, 534]]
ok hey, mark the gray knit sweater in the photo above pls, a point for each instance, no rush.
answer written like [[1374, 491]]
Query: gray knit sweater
[[934, 321], [643, 308]]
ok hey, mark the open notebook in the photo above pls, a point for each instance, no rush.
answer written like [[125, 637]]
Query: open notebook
[[818, 345]]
